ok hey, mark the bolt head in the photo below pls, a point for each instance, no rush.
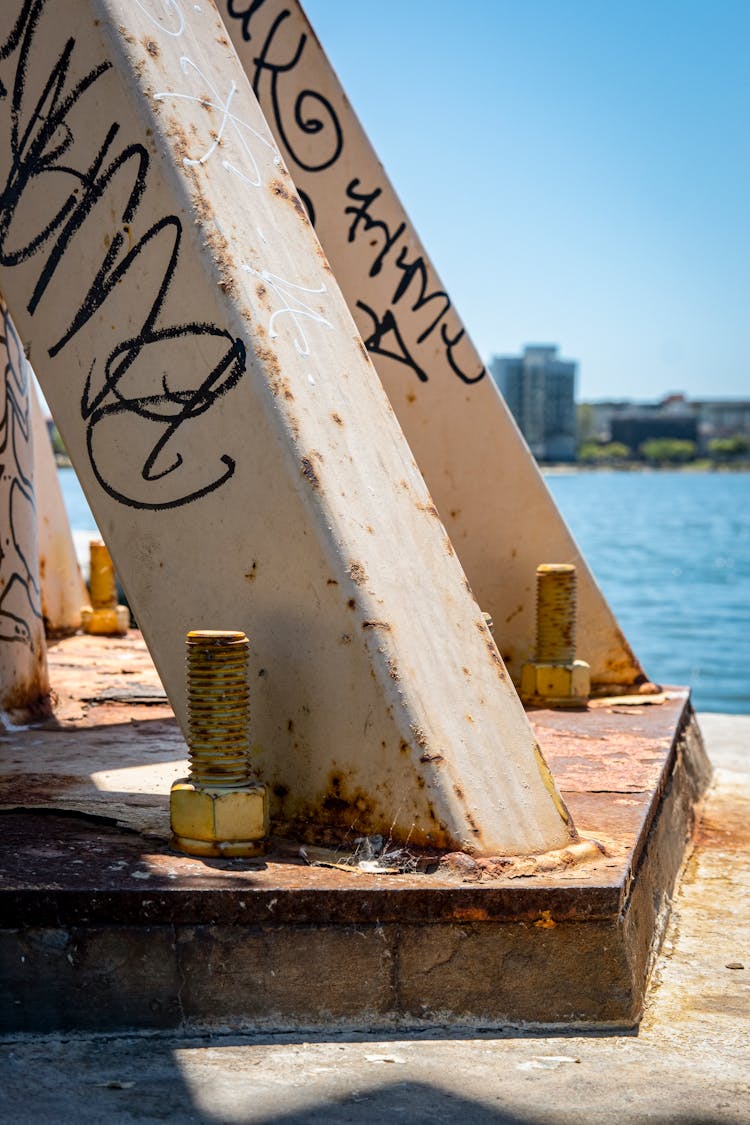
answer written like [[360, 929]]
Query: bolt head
[[556, 685], [218, 822], [105, 622]]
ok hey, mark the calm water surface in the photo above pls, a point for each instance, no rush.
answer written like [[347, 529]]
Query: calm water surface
[[671, 552], [79, 513]]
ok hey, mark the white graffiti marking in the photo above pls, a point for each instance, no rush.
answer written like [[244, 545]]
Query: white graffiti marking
[[293, 306], [170, 7], [246, 166], [240, 129]]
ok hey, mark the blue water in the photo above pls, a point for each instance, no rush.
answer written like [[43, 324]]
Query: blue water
[[79, 513], [671, 552]]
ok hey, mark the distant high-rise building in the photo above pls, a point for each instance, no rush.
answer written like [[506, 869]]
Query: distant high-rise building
[[539, 389]]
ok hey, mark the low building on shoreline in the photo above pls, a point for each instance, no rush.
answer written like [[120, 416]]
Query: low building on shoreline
[[674, 416]]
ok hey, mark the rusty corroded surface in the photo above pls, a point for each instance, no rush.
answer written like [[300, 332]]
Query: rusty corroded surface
[[609, 749], [687, 1064], [89, 672], [107, 928], [610, 763]]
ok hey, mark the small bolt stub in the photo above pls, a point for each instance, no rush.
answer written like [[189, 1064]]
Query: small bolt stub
[[555, 678], [219, 810], [104, 617]]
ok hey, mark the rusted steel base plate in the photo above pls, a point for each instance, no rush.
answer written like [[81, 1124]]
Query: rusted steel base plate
[[103, 927]]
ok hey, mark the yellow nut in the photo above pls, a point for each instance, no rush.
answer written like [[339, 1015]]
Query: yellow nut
[[112, 622], [558, 685], [218, 822]]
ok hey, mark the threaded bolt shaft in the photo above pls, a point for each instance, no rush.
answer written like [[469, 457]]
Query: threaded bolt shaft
[[556, 613], [218, 708], [101, 577]]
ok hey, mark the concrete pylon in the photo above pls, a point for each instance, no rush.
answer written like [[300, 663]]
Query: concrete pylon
[[234, 442], [63, 591], [497, 509], [24, 685]]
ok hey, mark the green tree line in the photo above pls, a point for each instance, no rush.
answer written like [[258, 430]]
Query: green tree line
[[664, 451]]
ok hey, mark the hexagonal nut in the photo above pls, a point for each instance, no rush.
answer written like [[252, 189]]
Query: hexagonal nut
[[105, 622], [218, 822], [558, 685]]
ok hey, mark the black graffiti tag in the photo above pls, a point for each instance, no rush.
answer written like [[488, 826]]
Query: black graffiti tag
[[386, 340], [20, 596], [45, 153], [413, 285], [414, 293], [312, 113]]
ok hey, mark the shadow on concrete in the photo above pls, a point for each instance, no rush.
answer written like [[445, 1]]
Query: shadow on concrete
[[421, 1103], [418, 1103], [148, 1079], [141, 1080]]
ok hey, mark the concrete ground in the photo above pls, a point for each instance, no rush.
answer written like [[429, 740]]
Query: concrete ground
[[689, 1062]]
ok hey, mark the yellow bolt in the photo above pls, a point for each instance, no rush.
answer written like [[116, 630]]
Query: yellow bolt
[[104, 616], [218, 809], [555, 613], [218, 708], [555, 678], [101, 577]]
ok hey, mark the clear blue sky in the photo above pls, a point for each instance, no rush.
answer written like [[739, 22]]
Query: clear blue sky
[[579, 171]]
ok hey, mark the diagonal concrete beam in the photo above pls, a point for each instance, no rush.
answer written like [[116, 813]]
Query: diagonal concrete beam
[[236, 447], [24, 685], [62, 587], [487, 487]]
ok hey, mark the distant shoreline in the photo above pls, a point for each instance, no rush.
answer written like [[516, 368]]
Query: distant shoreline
[[567, 467]]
